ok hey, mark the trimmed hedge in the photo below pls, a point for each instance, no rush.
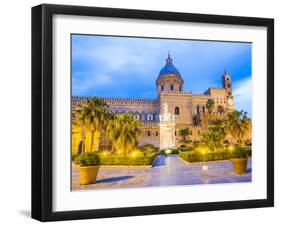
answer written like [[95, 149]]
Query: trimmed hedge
[[114, 159], [195, 156]]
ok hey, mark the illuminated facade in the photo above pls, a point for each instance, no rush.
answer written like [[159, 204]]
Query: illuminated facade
[[183, 107]]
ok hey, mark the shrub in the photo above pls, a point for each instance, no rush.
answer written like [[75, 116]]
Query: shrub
[[73, 156], [170, 151], [136, 153], [174, 151], [240, 153], [197, 156], [150, 152], [148, 146], [87, 159], [138, 160]]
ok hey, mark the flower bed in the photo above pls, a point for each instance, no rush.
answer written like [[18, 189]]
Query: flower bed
[[196, 156]]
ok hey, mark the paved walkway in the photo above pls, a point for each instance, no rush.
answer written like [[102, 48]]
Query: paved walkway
[[165, 171]]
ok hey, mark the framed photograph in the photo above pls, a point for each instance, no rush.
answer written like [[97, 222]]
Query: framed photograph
[[146, 112]]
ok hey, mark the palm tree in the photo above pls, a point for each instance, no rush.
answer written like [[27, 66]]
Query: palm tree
[[184, 135], [210, 105], [96, 113], [238, 125], [219, 126], [212, 140], [123, 131]]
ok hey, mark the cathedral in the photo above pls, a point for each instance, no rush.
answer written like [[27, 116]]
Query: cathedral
[[174, 109]]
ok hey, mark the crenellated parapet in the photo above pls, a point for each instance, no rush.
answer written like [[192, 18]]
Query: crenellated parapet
[[117, 100], [189, 126], [149, 125]]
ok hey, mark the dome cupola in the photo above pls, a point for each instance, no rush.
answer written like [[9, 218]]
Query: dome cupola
[[169, 78], [169, 68]]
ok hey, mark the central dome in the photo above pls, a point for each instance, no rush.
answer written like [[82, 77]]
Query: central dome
[[169, 68]]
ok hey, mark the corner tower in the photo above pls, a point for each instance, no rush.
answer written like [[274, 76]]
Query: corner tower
[[169, 79]]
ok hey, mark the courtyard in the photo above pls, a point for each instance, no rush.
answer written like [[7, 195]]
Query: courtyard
[[165, 171]]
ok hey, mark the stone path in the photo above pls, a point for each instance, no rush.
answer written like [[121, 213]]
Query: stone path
[[165, 171]]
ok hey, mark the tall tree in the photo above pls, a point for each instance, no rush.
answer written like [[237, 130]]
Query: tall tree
[[238, 125], [219, 126], [210, 105], [123, 131], [96, 113]]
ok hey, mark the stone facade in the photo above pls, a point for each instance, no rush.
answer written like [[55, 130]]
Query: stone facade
[[181, 105]]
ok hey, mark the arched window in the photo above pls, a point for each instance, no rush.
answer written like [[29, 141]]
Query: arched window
[[162, 88], [148, 133], [177, 111], [180, 88], [156, 133], [198, 109], [172, 87], [150, 117]]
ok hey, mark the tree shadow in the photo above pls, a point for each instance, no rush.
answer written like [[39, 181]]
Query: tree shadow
[[113, 179], [159, 161], [249, 170]]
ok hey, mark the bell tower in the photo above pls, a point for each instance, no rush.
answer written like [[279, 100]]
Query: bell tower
[[227, 85]]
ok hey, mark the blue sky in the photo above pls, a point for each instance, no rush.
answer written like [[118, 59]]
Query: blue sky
[[109, 66]]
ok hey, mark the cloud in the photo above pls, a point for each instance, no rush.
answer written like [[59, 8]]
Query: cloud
[[82, 82], [129, 67], [242, 92], [111, 54]]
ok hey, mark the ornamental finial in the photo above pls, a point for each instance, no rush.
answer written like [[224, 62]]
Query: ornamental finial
[[169, 59]]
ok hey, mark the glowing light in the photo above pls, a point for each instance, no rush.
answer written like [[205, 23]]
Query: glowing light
[[168, 151], [203, 151], [205, 167], [119, 152], [231, 148], [105, 153], [134, 154]]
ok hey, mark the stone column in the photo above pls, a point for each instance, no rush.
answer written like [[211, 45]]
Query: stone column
[[167, 129]]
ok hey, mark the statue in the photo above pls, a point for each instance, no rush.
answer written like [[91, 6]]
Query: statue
[[165, 107], [166, 116]]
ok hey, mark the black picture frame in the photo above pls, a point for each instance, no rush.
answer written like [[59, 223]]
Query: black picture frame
[[42, 197]]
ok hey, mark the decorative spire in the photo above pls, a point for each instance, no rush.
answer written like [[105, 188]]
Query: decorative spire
[[169, 60], [225, 72]]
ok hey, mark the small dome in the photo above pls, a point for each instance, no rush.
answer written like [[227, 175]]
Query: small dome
[[169, 68]]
